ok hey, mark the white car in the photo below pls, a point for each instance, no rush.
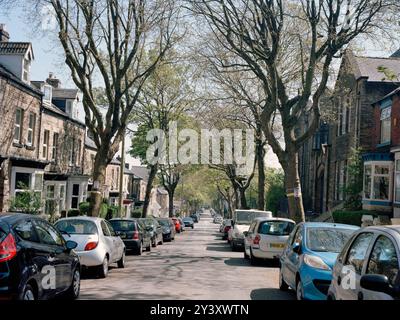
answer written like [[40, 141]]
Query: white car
[[241, 223], [98, 245], [266, 238]]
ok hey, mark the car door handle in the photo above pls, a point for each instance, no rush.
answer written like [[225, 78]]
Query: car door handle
[[360, 296]]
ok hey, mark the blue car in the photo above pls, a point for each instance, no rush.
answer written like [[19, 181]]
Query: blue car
[[309, 257]]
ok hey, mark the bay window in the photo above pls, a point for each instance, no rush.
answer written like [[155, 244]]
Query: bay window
[[377, 179]]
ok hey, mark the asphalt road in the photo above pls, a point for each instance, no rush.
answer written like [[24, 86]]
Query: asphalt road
[[198, 265]]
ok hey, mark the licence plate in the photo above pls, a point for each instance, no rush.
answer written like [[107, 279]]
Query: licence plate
[[277, 245]]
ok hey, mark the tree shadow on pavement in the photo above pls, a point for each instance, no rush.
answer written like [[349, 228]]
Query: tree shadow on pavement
[[271, 294], [219, 248], [241, 262]]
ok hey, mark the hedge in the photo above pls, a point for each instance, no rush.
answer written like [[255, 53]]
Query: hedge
[[137, 213], [353, 217]]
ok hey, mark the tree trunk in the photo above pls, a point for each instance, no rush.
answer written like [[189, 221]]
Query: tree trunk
[[149, 187], [171, 203], [99, 179], [293, 187], [261, 176], [243, 200]]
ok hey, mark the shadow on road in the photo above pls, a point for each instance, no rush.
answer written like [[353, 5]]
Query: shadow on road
[[241, 262], [271, 294], [219, 248]]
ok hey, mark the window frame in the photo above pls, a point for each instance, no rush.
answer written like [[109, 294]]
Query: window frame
[[18, 125], [367, 252], [45, 144], [390, 176], [387, 112], [31, 130]]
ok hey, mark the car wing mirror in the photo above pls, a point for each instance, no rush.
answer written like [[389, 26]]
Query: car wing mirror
[[70, 245], [377, 283], [296, 248]]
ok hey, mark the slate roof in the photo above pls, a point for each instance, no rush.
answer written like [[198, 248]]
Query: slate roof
[[14, 47], [65, 93], [367, 67], [141, 172], [90, 143]]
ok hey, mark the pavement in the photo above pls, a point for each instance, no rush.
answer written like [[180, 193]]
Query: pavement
[[198, 265]]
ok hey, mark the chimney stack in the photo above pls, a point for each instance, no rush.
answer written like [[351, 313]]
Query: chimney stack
[[4, 35], [53, 81]]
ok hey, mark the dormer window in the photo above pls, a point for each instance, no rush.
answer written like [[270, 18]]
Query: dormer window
[[27, 69], [48, 93]]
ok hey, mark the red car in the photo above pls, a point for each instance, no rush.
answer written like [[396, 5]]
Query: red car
[[178, 226]]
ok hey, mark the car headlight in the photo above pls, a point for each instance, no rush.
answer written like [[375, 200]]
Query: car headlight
[[315, 262]]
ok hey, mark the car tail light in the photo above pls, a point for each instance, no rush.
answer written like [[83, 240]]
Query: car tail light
[[135, 235], [227, 228], [257, 240], [91, 246], [8, 248]]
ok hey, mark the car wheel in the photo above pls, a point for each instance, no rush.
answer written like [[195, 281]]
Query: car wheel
[[161, 242], [75, 288], [148, 248], [233, 247], [154, 244], [103, 268], [282, 284], [192, 227], [246, 256], [29, 293], [299, 290], [121, 262]]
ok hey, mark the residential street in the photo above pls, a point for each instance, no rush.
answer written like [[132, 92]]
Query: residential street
[[197, 265]]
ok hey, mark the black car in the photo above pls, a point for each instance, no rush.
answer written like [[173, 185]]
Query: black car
[[133, 233], [155, 230], [168, 229], [35, 260], [188, 222], [195, 218]]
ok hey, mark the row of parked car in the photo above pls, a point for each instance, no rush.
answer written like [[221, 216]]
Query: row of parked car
[[324, 260], [39, 260]]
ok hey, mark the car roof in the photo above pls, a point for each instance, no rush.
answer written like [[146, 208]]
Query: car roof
[[94, 219], [126, 219], [260, 219], [14, 217], [329, 225], [389, 228]]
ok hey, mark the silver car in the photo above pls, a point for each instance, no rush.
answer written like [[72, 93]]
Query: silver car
[[98, 245], [368, 266]]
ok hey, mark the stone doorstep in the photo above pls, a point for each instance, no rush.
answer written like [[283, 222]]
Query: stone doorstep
[[396, 221]]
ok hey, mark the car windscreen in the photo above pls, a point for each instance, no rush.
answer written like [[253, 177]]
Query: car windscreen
[[327, 239], [276, 228], [187, 220], [123, 225], [164, 223], [246, 217], [76, 226]]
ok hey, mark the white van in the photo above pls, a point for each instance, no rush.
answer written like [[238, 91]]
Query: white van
[[241, 222]]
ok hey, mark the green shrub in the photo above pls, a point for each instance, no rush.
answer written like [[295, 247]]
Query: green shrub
[[74, 213], [137, 213], [103, 210], [353, 217], [84, 208]]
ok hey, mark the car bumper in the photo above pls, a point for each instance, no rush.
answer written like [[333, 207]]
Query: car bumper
[[188, 225], [91, 258], [167, 236], [238, 242], [315, 283], [132, 244], [258, 253]]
